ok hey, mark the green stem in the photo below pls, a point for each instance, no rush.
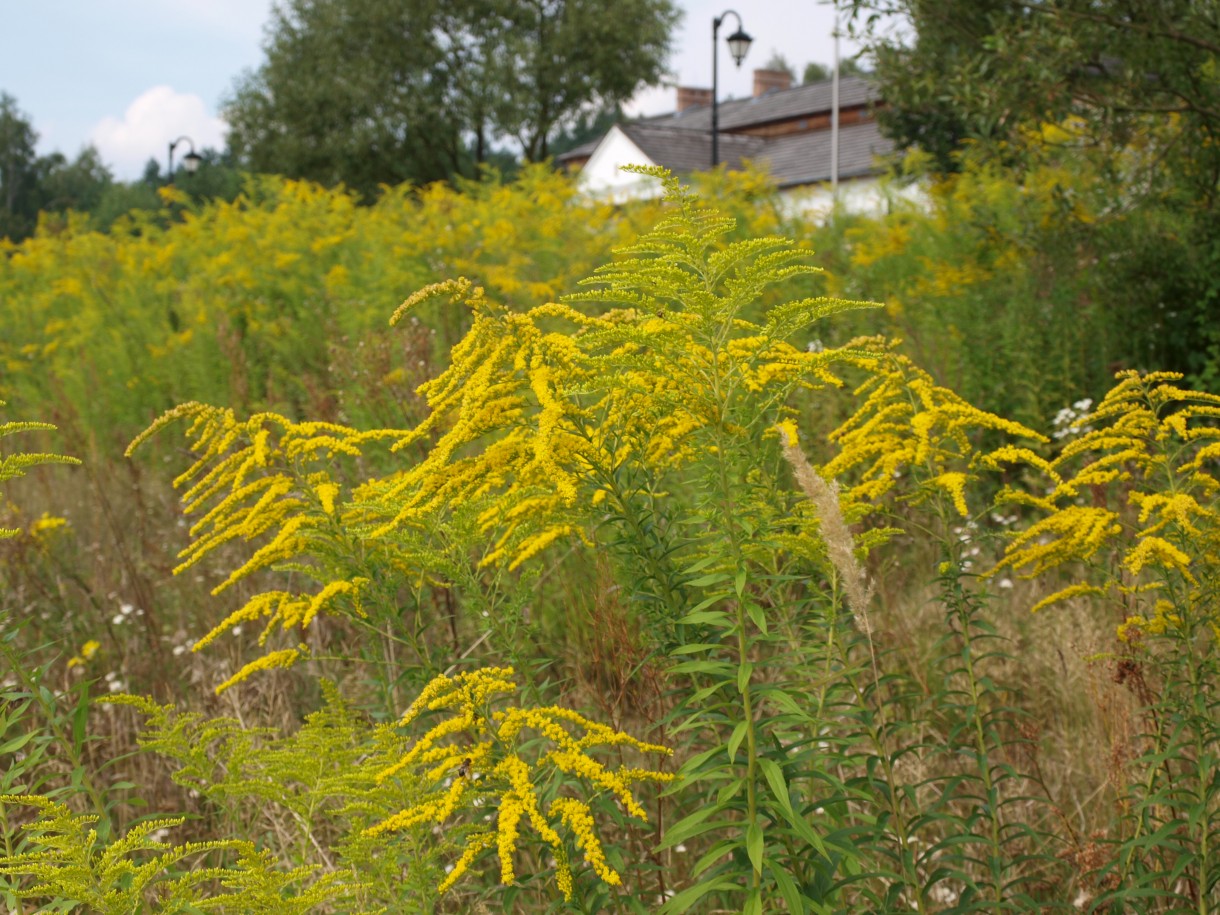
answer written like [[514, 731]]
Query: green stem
[[964, 618]]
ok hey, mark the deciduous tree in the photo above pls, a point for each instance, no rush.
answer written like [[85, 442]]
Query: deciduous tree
[[18, 170], [367, 92]]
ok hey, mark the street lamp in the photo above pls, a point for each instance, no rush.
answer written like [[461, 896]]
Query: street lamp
[[191, 161], [739, 44]]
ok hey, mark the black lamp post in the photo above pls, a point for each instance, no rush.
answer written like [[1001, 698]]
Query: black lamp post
[[190, 161], [739, 44]]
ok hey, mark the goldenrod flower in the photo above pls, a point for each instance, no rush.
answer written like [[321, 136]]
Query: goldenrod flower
[[1160, 441], [86, 653], [284, 658], [477, 753]]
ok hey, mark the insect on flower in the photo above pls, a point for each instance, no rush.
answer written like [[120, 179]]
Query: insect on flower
[[464, 769]]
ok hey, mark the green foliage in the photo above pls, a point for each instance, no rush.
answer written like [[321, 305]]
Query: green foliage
[[31, 185], [1132, 90], [987, 70], [993, 281], [802, 620], [67, 864], [1150, 556], [316, 791], [406, 83], [815, 72]]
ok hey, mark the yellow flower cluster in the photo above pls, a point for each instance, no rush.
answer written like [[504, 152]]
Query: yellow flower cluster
[[494, 754], [284, 658], [15, 465], [46, 525], [252, 481], [528, 426], [537, 410], [86, 653], [907, 423], [1160, 442]]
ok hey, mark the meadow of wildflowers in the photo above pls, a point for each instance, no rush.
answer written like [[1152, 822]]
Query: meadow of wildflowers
[[653, 580]]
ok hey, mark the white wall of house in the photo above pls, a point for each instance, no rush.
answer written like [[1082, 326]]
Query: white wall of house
[[603, 175], [869, 196]]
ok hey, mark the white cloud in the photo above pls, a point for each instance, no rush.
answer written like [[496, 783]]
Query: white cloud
[[156, 118]]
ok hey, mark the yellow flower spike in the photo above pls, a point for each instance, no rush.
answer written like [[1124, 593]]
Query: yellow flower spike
[[87, 651], [281, 659], [476, 844], [563, 877], [479, 753], [1158, 440], [788, 433], [1082, 589], [577, 817], [1159, 552], [326, 493], [511, 811], [954, 483]]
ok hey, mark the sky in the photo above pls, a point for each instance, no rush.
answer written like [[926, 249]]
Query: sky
[[131, 76]]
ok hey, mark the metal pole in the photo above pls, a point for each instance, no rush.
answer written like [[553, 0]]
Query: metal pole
[[834, 116], [189, 142], [715, 93]]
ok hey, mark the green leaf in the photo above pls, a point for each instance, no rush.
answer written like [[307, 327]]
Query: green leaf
[[787, 888], [721, 668], [757, 615], [694, 825], [753, 904], [804, 830], [739, 583], [735, 739], [714, 854], [785, 702], [694, 648], [754, 845], [715, 617], [779, 786], [744, 672], [729, 791], [692, 894], [707, 602], [17, 742], [700, 564]]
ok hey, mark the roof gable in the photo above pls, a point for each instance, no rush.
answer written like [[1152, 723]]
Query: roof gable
[[603, 173]]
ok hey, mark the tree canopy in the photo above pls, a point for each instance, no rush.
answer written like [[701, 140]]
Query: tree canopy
[[1132, 87], [31, 184], [986, 70], [367, 92], [817, 73]]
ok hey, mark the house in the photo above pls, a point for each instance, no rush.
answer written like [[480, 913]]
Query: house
[[783, 127]]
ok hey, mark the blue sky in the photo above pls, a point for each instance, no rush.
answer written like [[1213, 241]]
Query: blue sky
[[129, 76]]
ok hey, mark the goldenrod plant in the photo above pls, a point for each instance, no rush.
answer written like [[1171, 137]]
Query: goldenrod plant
[[940, 816], [67, 866], [498, 764], [1131, 515], [17, 464], [456, 633]]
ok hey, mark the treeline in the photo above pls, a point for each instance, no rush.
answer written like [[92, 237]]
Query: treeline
[[369, 94], [37, 187]]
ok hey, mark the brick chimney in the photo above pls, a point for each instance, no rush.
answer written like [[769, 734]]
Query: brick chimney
[[690, 97], [766, 80]]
